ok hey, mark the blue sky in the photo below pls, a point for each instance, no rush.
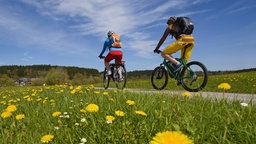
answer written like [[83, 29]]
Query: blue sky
[[72, 32]]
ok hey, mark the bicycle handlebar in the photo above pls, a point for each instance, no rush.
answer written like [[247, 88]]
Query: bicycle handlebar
[[157, 51], [102, 57]]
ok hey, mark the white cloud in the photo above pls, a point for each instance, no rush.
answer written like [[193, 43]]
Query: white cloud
[[26, 57], [95, 18]]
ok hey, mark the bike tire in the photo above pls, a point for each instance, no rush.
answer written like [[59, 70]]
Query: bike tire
[[106, 79], [121, 83], [159, 78], [194, 77]]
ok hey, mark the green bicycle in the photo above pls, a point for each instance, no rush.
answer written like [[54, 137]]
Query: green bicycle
[[193, 77]]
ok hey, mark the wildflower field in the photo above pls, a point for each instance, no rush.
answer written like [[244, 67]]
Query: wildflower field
[[83, 114]]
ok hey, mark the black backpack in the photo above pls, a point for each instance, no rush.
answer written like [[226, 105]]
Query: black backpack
[[185, 24]]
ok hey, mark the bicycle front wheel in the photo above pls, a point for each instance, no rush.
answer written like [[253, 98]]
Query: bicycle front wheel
[[121, 80], [159, 78], [194, 77], [106, 79]]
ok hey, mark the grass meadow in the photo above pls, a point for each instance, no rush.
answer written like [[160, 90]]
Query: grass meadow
[[244, 82], [85, 114]]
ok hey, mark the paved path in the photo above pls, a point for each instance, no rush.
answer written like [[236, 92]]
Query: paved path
[[245, 98]]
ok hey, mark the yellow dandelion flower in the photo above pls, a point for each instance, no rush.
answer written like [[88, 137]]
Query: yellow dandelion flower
[[130, 102], [92, 108], [3, 102], [27, 96], [47, 138], [82, 110], [119, 113], [141, 113], [20, 116], [73, 91], [97, 92], [10, 101], [11, 108], [92, 86], [224, 86], [55, 114], [6, 114], [110, 118], [44, 101], [186, 94], [29, 99], [105, 93], [171, 137], [39, 99], [78, 88]]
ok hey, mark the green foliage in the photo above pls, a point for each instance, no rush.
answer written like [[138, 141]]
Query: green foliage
[[39, 71], [201, 119], [56, 76], [6, 81]]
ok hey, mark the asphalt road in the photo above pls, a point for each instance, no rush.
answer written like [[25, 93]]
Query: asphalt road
[[243, 98]]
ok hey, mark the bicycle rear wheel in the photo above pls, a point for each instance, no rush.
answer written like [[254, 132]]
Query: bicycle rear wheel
[[159, 78], [106, 79], [121, 80], [194, 77]]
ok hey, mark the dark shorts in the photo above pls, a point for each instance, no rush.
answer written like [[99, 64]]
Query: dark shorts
[[117, 55]]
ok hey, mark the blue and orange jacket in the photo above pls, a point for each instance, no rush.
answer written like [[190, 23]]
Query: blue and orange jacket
[[108, 45]]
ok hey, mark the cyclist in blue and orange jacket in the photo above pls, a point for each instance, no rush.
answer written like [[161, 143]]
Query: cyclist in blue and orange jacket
[[113, 44]]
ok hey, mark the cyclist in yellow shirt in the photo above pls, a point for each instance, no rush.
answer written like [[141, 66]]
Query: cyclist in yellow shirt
[[182, 31]]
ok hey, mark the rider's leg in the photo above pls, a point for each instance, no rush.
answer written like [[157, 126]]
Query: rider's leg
[[107, 67], [108, 58], [186, 53], [170, 49], [170, 58], [119, 60]]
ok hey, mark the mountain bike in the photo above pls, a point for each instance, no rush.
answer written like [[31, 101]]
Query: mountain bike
[[116, 69], [193, 77]]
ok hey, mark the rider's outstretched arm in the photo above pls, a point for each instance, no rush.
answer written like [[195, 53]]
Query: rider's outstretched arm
[[106, 44], [163, 38]]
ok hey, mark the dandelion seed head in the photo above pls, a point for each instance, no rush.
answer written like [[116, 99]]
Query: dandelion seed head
[[244, 104], [83, 120], [83, 140]]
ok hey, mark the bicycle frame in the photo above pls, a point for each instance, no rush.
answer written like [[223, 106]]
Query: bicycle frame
[[114, 69], [119, 79], [169, 67]]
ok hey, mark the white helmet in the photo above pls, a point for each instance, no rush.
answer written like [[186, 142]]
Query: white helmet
[[110, 33]]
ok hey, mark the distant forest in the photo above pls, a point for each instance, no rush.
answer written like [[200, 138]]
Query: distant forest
[[48, 74], [36, 71]]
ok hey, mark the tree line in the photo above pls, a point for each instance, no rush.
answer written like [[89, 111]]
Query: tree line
[[47, 74]]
